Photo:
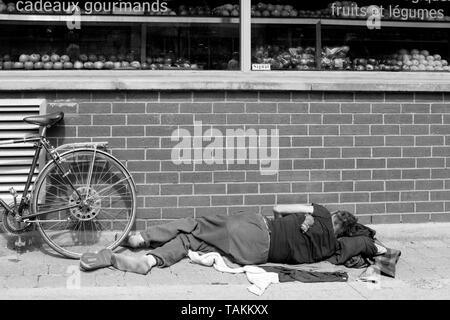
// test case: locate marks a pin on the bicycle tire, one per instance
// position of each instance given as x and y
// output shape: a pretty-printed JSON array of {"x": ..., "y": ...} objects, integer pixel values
[{"x": 36, "y": 195}]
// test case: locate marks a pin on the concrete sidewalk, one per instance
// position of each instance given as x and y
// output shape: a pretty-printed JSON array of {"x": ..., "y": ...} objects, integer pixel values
[{"x": 423, "y": 272}]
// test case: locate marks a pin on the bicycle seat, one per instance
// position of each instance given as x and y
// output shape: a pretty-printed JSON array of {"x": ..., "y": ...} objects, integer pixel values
[{"x": 46, "y": 120}]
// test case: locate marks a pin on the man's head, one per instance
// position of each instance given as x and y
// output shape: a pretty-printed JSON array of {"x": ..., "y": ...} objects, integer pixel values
[{"x": 343, "y": 222}]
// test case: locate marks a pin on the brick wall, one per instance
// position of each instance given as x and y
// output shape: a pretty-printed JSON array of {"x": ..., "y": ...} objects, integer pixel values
[{"x": 385, "y": 156}]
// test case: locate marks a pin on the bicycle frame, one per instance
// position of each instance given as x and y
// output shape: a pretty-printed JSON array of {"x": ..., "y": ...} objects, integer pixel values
[{"x": 39, "y": 143}]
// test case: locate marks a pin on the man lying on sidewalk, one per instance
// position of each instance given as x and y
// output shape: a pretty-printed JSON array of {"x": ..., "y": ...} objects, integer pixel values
[{"x": 298, "y": 234}]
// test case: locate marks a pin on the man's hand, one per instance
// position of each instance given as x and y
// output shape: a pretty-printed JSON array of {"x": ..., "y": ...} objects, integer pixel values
[{"x": 309, "y": 221}]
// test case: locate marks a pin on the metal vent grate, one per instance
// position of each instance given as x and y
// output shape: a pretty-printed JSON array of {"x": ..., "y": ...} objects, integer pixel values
[{"x": 15, "y": 160}]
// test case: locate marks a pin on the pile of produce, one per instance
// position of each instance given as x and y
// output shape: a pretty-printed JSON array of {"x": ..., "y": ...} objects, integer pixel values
[
  {"x": 7, "y": 8},
  {"x": 270, "y": 10},
  {"x": 403, "y": 60},
  {"x": 227, "y": 10},
  {"x": 300, "y": 58}
]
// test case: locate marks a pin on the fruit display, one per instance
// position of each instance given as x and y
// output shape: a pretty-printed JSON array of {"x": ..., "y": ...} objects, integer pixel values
[
  {"x": 404, "y": 60},
  {"x": 271, "y": 10},
  {"x": 227, "y": 10}
]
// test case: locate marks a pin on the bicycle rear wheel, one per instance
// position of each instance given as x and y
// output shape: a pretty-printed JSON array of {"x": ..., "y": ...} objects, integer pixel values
[{"x": 84, "y": 203}]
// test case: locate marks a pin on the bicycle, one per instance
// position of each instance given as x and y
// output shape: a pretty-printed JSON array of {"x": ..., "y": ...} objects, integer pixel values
[{"x": 83, "y": 199}]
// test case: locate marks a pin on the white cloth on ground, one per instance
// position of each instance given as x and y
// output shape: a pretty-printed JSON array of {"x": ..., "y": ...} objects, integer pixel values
[{"x": 260, "y": 278}]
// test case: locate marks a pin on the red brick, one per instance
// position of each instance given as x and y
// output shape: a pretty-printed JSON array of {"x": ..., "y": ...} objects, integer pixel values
[
  {"x": 338, "y": 141},
  {"x": 369, "y": 96},
  {"x": 204, "y": 212},
  {"x": 176, "y": 189},
  {"x": 338, "y": 186},
  {"x": 112, "y": 142},
  {"x": 309, "y": 164},
  {"x": 261, "y": 107},
  {"x": 385, "y": 218},
  {"x": 329, "y": 175},
  {"x": 293, "y": 175},
  {"x": 384, "y": 129},
  {"x": 92, "y": 131},
  {"x": 384, "y": 196},
  {"x": 260, "y": 199},
  {"x": 143, "y": 119},
  {"x": 129, "y": 154},
  {"x": 195, "y": 107},
  {"x": 288, "y": 153},
  {"x": 399, "y": 141},
  {"x": 337, "y": 119},
  {"x": 416, "y": 174},
  {"x": 429, "y": 96},
  {"x": 354, "y": 130},
  {"x": 440, "y": 129},
  {"x": 355, "y": 107},
  {"x": 401, "y": 163},
  {"x": 160, "y": 202},
  {"x": 274, "y": 96},
  {"x": 66, "y": 107},
  {"x": 194, "y": 201},
  {"x": 416, "y": 108},
  {"x": 156, "y": 131},
  {"x": 143, "y": 166},
  {"x": 146, "y": 213},
  {"x": 440, "y": 195},
  {"x": 386, "y": 108},
  {"x": 339, "y": 96},
  {"x": 367, "y": 118},
  {"x": 227, "y": 200},
  {"x": 274, "y": 118},
  {"x": 162, "y": 177},
  {"x": 304, "y": 187},
  {"x": 429, "y": 140},
  {"x": 429, "y": 206},
  {"x": 440, "y": 217},
  {"x": 177, "y": 119},
  {"x": 440, "y": 173},
  {"x": 177, "y": 213},
  {"x": 184, "y": 96},
  {"x": 400, "y": 207},
  {"x": 325, "y": 152},
  {"x": 320, "y": 130},
  {"x": 356, "y": 174},
  {"x": 339, "y": 163},
  {"x": 109, "y": 119},
  {"x": 440, "y": 108},
  {"x": 306, "y": 141},
  {"x": 417, "y": 152},
  {"x": 399, "y": 185},
  {"x": 386, "y": 174},
  {"x": 370, "y": 208},
  {"x": 304, "y": 96},
  {"x": 324, "y": 108},
  {"x": 371, "y": 163},
  {"x": 242, "y": 119},
  {"x": 369, "y": 186},
  {"x": 323, "y": 197},
  {"x": 291, "y": 198},
  {"x": 209, "y": 96},
  {"x": 362, "y": 141},
  {"x": 195, "y": 177},
  {"x": 398, "y": 119},
  {"x": 234, "y": 188},
  {"x": 306, "y": 119},
  {"x": 414, "y": 196},
  {"x": 72, "y": 120},
  {"x": 356, "y": 152},
  {"x": 209, "y": 188},
  {"x": 143, "y": 143},
  {"x": 127, "y": 107},
  {"x": 242, "y": 95},
  {"x": 430, "y": 163},
  {"x": 384, "y": 152},
  {"x": 128, "y": 131},
  {"x": 415, "y": 218},
  {"x": 257, "y": 176},
  {"x": 415, "y": 129},
  {"x": 162, "y": 108},
  {"x": 428, "y": 119},
  {"x": 228, "y": 108},
  {"x": 293, "y": 107},
  {"x": 211, "y": 118},
  {"x": 429, "y": 184},
  {"x": 228, "y": 176},
  {"x": 274, "y": 187},
  {"x": 94, "y": 107},
  {"x": 441, "y": 151}
]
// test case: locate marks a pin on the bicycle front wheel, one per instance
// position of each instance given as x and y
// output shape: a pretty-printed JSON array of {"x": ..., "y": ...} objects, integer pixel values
[{"x": 83, "y": 202}]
